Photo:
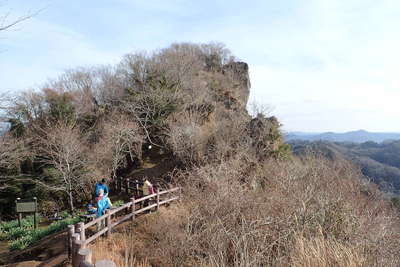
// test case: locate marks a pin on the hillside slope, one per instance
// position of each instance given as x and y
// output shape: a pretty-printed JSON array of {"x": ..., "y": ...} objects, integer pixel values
[
  {"x": 379, "y": 162},
  {"x": 246, "y": 200}
]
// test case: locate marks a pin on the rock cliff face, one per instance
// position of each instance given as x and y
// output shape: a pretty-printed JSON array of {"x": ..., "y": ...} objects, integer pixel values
[{"x": 240, "y": 72}]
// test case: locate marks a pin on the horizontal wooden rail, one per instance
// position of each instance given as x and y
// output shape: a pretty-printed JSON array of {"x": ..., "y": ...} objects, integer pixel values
[
  {"x": 168, "y": 200},
  {"x": 125, "y": 206},
  {"x": 169, "y": 191},
  {"x": 146, "y": 208},
  {"x": 96, "y": 235},
  {"x": 126, "y": 217},
  {"x": 145, "y": 198},
  {"x": 106, "y": 218}
]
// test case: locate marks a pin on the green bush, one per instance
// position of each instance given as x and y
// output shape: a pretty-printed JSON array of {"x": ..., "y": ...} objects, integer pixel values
[
  {"x": 32, "y": 236},
  {"x": 16, "y": 233},
  {"x": 10, "y": 230},
  {"x": 21, "y": 243},
  {"x": 118, "y": 203}
]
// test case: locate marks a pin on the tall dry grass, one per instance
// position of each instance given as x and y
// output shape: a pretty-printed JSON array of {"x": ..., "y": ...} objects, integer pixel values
[
  {"x": 117, "y": 249},
  {"x": 310, "y": 212}
]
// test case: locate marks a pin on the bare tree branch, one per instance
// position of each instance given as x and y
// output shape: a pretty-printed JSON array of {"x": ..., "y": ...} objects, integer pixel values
[{"x": 4, "y": 25}]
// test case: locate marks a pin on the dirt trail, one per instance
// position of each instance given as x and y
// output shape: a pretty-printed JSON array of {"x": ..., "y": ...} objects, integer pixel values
[
  {"x": 42, "y": 253},
  {"x": 154, "y": 167}
]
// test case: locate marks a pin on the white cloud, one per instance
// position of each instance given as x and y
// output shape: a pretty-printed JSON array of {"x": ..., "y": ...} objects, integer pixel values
[{"x": 323, "y": 64}]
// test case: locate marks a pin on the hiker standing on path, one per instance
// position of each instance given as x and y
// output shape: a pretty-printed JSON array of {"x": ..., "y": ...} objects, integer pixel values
[
  {"x": 102, "y": 203},
  {"x": 102, "y": 185},
  {"x": 147, "y": 189}
]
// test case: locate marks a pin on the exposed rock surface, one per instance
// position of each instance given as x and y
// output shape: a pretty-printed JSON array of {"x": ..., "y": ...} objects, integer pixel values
[{"x": 240, "y": 70}]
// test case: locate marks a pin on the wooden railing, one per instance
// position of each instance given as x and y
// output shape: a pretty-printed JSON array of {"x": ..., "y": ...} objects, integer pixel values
[{"x": 77, "y": 234}]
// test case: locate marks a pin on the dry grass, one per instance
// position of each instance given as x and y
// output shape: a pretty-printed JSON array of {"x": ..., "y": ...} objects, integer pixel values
[
  {"x": 322, "y": 252},
  {"x": 311, "y": 212},
  {"x": 117, "y": 249}
]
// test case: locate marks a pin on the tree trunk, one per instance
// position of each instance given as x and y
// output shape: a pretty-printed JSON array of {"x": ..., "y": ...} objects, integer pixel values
[{"x": 71, "y": 202}]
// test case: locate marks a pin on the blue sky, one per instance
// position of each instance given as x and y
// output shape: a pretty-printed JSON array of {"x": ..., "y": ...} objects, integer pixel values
[{"x": 320, "y": 65}]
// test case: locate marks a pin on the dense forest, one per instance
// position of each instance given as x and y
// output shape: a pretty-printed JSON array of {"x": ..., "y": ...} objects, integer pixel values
[{"x": 247, "y": 200}]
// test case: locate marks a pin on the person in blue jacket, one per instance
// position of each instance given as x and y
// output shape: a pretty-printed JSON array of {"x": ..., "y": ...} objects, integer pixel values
[
  {"x": 102, "y": 185},
  {"x": 102, "y": 203}
]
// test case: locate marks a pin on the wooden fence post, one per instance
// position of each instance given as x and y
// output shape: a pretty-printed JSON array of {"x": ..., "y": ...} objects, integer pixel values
[
  {"x": 108, "y": 222},
  {"x": 105, "y": 263},
  {"x": 158, "y": 198},
  {"x": 77, "y": 229},
  {"x": 77, "y": 259},
  {"x": 71, "y": 232},
  {"x": 81, "y": 227},
  {"x": 75, "y": 248},
  {"x": 35, "y": 215},
  {"x": 86, "y": 264},
  {"x": 127, "y": 186},
  {"x": 136, "y": 188},
  {"x": 84, "y": 255},
  {"x": 133, "y": 209}
]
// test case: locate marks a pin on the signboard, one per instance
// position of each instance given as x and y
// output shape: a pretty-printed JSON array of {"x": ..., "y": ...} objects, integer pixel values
[{"x": 26, "y": 206}]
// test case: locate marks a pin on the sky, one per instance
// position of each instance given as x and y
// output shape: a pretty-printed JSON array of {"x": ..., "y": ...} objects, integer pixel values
[{"x": 318, "y": 65}]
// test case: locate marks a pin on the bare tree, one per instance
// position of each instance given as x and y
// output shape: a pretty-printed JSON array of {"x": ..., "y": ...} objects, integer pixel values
[
  {"x": 12, "y": 151},
  {"x": 121, "y": 137},
  {"x": 61, "y": 147}
]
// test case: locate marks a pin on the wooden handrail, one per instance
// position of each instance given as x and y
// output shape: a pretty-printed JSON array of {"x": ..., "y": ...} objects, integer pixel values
[
  {"x": 127, "y": 205},
  {"x": 96, "y": 235},
  {"x": 168, "y": 200},
  {"x": 126, "y": 217},
  {"x": 145, "y": 198},
  {"x": 146, "y": 208},
  {"x": 91, "y": 223},
  {"x": 169, "y": 191}
]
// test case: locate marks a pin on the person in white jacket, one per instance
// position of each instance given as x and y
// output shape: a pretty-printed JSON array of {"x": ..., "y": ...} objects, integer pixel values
[{"x": 147, "y": 190}]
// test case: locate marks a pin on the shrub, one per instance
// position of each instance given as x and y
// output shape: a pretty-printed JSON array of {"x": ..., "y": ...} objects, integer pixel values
[
  {"x": 243, "y": 212},
  {"x": 32, "y": 236},
  {"x": 12, "y": 226}
]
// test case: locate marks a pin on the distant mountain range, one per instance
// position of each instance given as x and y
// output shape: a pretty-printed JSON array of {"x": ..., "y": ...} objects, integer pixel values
[{"x": 360, "y": 136}]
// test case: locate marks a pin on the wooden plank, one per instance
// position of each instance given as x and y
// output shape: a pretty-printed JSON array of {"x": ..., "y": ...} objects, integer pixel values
[
  {"x": 81, "y": 227},
  {"x": 105, "y": 263},
  {"x": 26, "y": 206},
  {"x": 170, "y": 190},
  {"x": 146, "y": 208},
  {"x": 84, "y": 254},
  {"x": 133, "y": 208},
  {"x": 71, "y": 231},
  {"x": 96, "y": 235},
  {"x": 158, "y": 198},
  {"x": 108, "y": 222},
  {"x": 168, "y": 200},
  {"x": 144, "y": 198},
  {"x": 131, "y": 215},
  {"x": 95, "y": 221},
  {"x": 126, "y": 205}
]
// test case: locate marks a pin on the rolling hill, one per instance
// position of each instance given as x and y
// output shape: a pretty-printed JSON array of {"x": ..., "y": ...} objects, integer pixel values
[
  {"x": 378, "y": 161},
  {"x": 359, "y": 136}
]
